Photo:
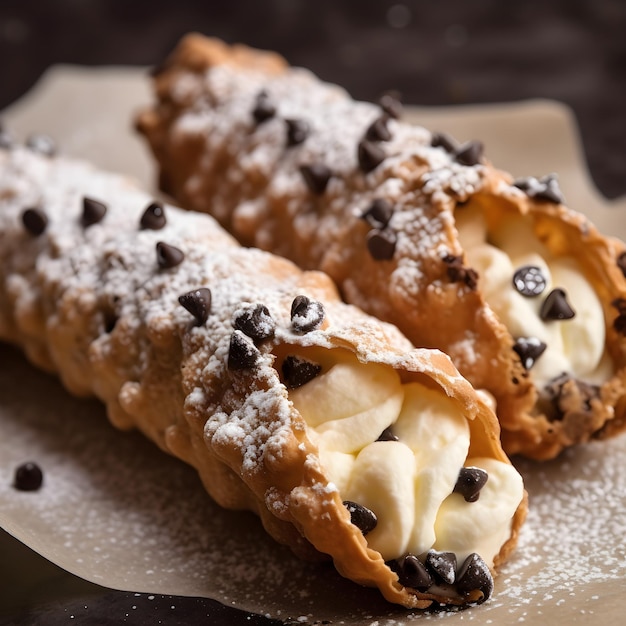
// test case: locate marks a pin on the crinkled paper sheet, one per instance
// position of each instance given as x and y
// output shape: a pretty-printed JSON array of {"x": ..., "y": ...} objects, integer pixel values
[{"x": 116, "y": 511}]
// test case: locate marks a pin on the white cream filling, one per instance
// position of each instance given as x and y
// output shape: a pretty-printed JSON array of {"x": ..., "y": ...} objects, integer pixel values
[
  {"x": 575, "y": 346},
  {"x": 407, "y": 483}
]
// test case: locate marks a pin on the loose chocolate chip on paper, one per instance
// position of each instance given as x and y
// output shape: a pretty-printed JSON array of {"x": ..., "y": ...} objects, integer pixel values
[
  {"x": 370, "y": 156},
  {"x": 297, "y": 131},
  {"x": 387, "y": 435},
  {"x": 256, "y": 322},
  {"x": 474, "y": 575},
  {"x": 362, "y": 517},
  {"x": 93, "y": 212},
  {"x": 556, "y": 307},
  {"x": 35, "y": 221},
  {"x": 391, "y": 104},
  {"x": 153, "y": 217},
  {"x": 529, "y": 349},
  {"x": 377, "y": 130},
  {"x": 43, "y": 144},
  {"x": 306, "y": 314},
  {"x": 469, "y": 483},
  {"x": 381, "y": 243},
  {"x": 413, "y": 573},
  {"x": 529, "y": 280},
  {"x": 263, "y": 108},
  {"x": 28, "y": 477},
  {"x": 198, "y": 303},
  {"x": 298, "y": 371},
  {"x": 443, "y": 140},
  {"x": 168, "y": 256},
  {"x": 378, "y": 213},
  {"x": 442, "y": 565},
  {"x": 470, "y": 153},
  {"x": 242, "y": 353},
  {"x": 316, "y": 177}
]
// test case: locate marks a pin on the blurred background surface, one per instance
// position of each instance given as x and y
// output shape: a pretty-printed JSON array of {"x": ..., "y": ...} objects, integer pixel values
[{"x": 442, "y": 52}]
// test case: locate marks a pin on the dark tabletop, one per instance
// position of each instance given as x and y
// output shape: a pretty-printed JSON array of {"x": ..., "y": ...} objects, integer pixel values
[{"x": 434, "y": 52}]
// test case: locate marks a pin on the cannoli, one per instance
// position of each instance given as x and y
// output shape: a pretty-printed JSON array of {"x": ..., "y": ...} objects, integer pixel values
[
  {"x": 525, "y": 295},
  {"x": 343, "y": 438}
]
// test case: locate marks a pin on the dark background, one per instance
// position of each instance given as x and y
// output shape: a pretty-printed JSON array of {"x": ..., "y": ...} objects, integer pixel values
[{"x": 436, "y": 52}]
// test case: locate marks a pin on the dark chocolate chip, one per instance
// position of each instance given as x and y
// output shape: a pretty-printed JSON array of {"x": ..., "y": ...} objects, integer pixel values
[
  {"x": 43, "y": 144},
  {"x": 93, "y": 212},
  {"x": 564, "y": 392},
  {"x": 621, "y": 263},
  {"x": 377, "y": 130},
  {"x": 298, "y": 371},
  {"x": 168, "y": 256},
  {"x": 198, "y": 303},
  {"x": 381, "y": 243},
  {"x": 442, "y": 140},
  {"x": 110, "y": 321},
  {"x": 35, "y": 221},
  {"x": 364, "y": 519},
  {"x": 469, "y": 483},
  {"x": 316, "y": 177},
  {"x": 470, "y": 153},
  {"x": 545, "y": 188},
  {"x": 458, "y": 273},
  {"x": 387, "y": 435},
  {"x": 306, "y": 314},
  {"x": 28, "y": 477},
  {"x": 413, "y": 573},
  {"x": 390, "y": 103},
  {"x": 442, "y": 565},
  {"x": 297, "y": 132},
  {"x": 263, "y": 108},
  {"x": 153, "y": 217},
  {"x": 529, "y": 349},
  {"x": 256, "y": 322},
  {"x": 370, "y": 156},
  {"x": 556, "y": 307},
  {"x": 475, "y": 575},
  {"x": 242, "y": 353},
  {"x": 529, "y": 281},
  {"x": 378, "y": 213},
  {"x": 619, "y": 324}
]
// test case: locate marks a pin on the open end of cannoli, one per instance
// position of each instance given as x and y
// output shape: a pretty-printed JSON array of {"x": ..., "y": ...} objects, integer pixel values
[{"x": 402, "y": 458}]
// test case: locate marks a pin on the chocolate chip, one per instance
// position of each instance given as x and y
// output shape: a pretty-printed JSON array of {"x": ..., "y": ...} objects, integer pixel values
[
  {"x": 619, "y": 324},
  {"x": 370, "y": 155},
  {"x": 198, "y": 303},
  {"x": 28, "y": 477},
  {"x": 168, "y": 256},
  {"x": 469, "y": 483},
  {"x": 556, "y": 307},
  {"x": 364, "y": 519},
  {"x": 297, "y": 132},
  {"x": 621, "y": 263},
  {"x": 442, "y": 565},
  {"x": 390, "y": 103},
  {"x": 263, "y": 108},
  {"x": 458, "y": 273},
  {"x": 316, "y": 177},
  {"x": 306, "y": 314},
  {"x": 567, "y": 394},
  {"x": 545, "y": 188},
  {"x": 35, "y": 221},
  {"x": 529, "y": 349},
  {"x": 470, "y": 153},
  {"x": 256, "y": 322},
  {"x": 93, "y": 212},
  {"x": 378, "y": 213},
  {"x": 529, "y": 281},
  {"x": 381, "y": 243},
  {"x": 43, "y": 144},
  {"x": 413, "y": 573},
  {"x": 242, "y": 353},
  {"x": 442, "y": 140},
  {"x": 387, "y": 435},
  {"x": 377, "y": 130},
  {"x": 298, "y": 371},
  {"x": 475, "y": 575},
  {"x": 153, "y": 217}
]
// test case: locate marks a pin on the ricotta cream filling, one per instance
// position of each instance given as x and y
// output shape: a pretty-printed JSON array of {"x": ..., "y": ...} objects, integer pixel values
[
  {"x": 574, "y": 346},
  {"x": 408, "y": 483}
]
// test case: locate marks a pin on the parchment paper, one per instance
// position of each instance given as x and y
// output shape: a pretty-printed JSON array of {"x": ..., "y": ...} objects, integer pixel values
[{"x": 116, "y": 511}]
